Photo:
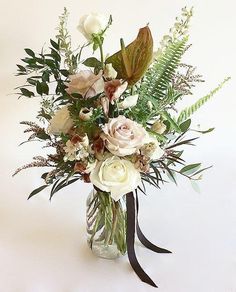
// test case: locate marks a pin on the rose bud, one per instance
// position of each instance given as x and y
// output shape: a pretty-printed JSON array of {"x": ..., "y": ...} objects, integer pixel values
[
  {"x": 128, "y": 102},
  {"x": 92, "y": 23},
  {"x": 158, "y": 127},
  {"x": 109, "y": 72},
  {"x": 85, "y": 114}
]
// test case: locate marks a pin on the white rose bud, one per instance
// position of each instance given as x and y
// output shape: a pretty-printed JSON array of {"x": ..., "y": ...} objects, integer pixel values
[
  {"x": 85, "y": 114},
  {"x": 158, "y": 127},
  {"x": 109, "y": 72},
  {"x": 128, "y": 102},
  {"x": 61, "y": 122},
  {"x": 92, "y": 23},
  {"x": 115, "y": 175}
]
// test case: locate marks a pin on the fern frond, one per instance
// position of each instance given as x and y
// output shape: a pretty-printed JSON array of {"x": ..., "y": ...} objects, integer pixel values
[
  {"x": 160, "y": 75},
  {"x": 187, "y": 112}
]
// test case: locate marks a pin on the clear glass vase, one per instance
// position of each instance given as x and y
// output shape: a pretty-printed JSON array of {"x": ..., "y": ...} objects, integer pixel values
[{"x": 106, "y": 225}]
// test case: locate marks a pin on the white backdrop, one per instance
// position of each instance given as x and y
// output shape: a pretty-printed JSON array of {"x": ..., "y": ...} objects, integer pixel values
[{"x": 42, "y": 244}]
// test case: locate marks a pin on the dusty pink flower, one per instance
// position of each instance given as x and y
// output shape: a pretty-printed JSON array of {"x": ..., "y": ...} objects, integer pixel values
[
  {"x": 114, "y": 89},
  {"x": 85, "y": 83},
  {"x": 123, "y": 136}
]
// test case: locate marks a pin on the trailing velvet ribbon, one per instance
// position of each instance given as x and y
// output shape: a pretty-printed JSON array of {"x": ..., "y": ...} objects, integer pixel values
[
  {"x": 143, "y": 238},
  {"x": 130, "y": 235},
  {"x": 132, "y": 220}
]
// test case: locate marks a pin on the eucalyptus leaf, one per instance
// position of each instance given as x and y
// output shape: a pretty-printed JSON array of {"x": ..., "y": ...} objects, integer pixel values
[
  {"x": 21, "y": 68},
  {"x": 185, "y": 125},
  {"x": 26, "y": 92},
  {"x": 39, "y": 88},
  {"x": 30, "y": 52},
  {"x": 204, "y": 132},
  {"x": 190, "y": 169},
  {"x": 46, "y": 76},
  {"x": 92, "y": 62},
  {"x": 45, "y": 88},
  {"x": 36, "y": 191},
  {"x": 195, "y": 186},
  {"x": 64, "y": 72},
  {"x": 54, "y": 44}
]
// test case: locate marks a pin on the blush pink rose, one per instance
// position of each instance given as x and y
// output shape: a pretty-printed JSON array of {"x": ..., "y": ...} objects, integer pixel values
[
  {"x": 123, "y": 136},
  {"x": 85, "y": 83}
]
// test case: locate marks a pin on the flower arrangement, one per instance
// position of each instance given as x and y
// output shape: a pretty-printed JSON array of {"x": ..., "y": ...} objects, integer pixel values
[{"x": 112, "y": 121}]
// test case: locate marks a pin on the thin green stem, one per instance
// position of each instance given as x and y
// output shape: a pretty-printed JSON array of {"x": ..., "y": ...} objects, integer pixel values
[
  {"x": 101, "y": 53},
  {"x": 114, "y": 221}
]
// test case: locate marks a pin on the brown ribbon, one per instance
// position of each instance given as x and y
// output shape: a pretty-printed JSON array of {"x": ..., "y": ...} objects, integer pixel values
[
  {"x": 143, "y": 238},
  {"x": 132, "y": 221},
  {"x": 130, "y": 235}
]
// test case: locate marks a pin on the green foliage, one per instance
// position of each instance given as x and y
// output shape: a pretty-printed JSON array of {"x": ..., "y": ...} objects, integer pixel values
[
  {"x": 44, "y": 69},
  {"x": 93, "y": 62},
  {"x": 204, "y": 131},
  {"x": 173, "y": 125},
  {"x": 36, "y": 191},
  {"x": 159, "y": 76},
  {"x": 190, "y": 169},
  {"x": 187, "y": 112},
  {"x": 156, "y": 86},
  {"x": 26, "y": 92},
  {"x": 90, "y": 126},
  {"x": 61, "y": 183},
  {"x": 185, "y": 125},
  {"x": 64, "y": 43}
]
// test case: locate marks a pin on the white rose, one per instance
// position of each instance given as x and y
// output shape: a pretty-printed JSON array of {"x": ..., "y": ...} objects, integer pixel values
[
  {"x": 123, "y": 136},
  {"x": 92, "y": 23},
  {"x": 61, "y": 122},
  {"x": 128, "y": 102},
  {"x": 115, "y": 175}
]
